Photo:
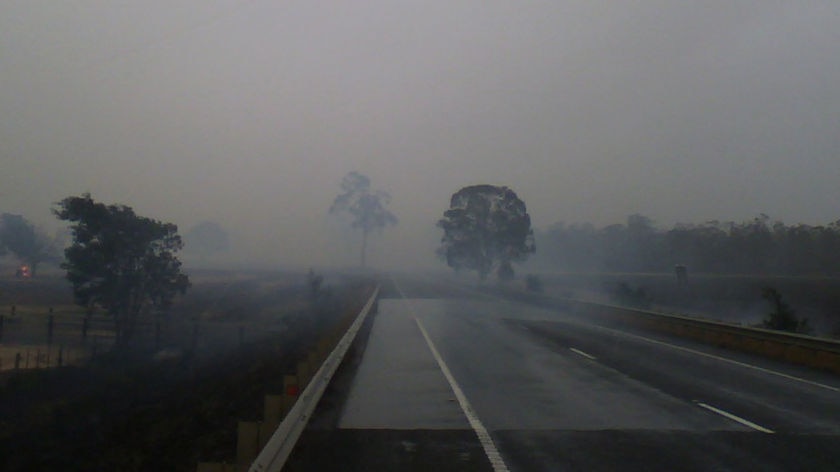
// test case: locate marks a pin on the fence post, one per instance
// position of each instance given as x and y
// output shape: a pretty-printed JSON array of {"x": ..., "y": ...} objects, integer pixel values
[
  {"x": 61, "y": 355},
  {"x": 85, "y": 323},
  {"x": 2, "y": 323},
  {"x": 50, "y": 325},
  {"x": 18, "y": 358}
]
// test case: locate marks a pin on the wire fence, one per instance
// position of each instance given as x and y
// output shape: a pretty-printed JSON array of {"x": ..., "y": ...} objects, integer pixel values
[{"x": 37, "y": 338}]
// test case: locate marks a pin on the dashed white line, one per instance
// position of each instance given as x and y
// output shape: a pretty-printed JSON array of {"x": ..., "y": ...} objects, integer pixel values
[
  {"x": 685, "y": 349},
  {"x": 735, "y": 418},
  {"x": 581, "y": 353}
]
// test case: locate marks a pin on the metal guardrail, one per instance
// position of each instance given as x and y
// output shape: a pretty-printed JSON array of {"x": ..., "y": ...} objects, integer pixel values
[
  {"x": 760, "y": 334},
  {"x": 802, "y": 349},
  {"x": 279, "y": 447}
]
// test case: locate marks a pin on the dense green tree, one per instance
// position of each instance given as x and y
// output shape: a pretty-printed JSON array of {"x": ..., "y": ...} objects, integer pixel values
[
  {"x": 31, "y": 245},
  {"x": 486, "y": 228},
  {"x": 121, "y": 262},
  {"x": 367, "y": 208}
]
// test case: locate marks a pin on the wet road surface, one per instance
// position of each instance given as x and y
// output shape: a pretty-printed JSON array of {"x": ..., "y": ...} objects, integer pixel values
[{"x": 452, "y": 379}]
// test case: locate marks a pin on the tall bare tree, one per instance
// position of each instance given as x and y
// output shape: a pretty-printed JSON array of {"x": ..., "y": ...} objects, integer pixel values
[{"x": 367, "y": 208}]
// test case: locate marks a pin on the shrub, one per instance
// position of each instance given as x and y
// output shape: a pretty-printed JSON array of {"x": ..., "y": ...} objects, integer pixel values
[
  {"x": 533, "y": 283},
  {"x": 782, "y": 317},
  {"x": 623, "y": 294}
]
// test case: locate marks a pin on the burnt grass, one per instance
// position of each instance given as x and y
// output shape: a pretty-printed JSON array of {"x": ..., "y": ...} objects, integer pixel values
[{"x": 129, "y": 412}]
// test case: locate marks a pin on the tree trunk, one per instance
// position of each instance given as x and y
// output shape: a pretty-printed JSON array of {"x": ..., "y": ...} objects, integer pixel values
[{"x": 364, "y": 246}]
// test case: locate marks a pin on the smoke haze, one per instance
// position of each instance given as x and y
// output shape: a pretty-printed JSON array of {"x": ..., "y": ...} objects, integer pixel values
[{"x": 249, "y": 113}]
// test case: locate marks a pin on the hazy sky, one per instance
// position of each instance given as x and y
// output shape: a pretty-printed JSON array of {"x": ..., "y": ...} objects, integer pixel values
[{"x": 249, "y": 113}]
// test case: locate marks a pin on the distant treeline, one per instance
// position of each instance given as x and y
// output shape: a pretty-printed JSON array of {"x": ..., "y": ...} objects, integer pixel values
[{"x": 759, "y": 246}]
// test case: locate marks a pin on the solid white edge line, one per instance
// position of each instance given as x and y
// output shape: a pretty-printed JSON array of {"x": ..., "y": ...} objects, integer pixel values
[
  {"x": 685, "y": 349},
  {"x": 581, "y": 353},
  {"x": 719, "y": 358},
  {"x": 484, "y": 438},
  {"x": 735, "y": 418}
]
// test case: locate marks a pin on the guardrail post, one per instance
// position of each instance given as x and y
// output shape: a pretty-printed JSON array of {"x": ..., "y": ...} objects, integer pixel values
[
  {"x": 247, "y": 441},
  {"x": 291, "y": 391},
  {"x": 324, "y": 347},
  {"x": 303, "y": 373},
  {"x": 314, "y": 360},
  {"x": 273, "y": 409},
  {"x": 282, "y": 441}
]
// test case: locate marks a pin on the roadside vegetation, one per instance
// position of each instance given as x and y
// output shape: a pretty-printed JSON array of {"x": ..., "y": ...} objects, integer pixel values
[
  {"x": 130, "y": 410},
  {"x": 757, "y": 247},
  {"x": 486, "y": 229},
  {"x": 781, "y": 316}
]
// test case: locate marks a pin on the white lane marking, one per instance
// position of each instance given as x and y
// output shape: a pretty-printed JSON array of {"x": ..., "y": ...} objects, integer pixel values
[
  {"x": 735, "y": 418},
  {"x": 719, "y": 358},
  {"x": 685, "y": 349},
  {"x": 693, "y": 351},
  {"x": 581, "y": 353},
  {"x": 397, "y": 286},
  {"x": 483, "y": 435}
]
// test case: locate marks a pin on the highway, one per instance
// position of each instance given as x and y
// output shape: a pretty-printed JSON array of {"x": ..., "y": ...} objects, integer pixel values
[{"x": 451, "y": 378}]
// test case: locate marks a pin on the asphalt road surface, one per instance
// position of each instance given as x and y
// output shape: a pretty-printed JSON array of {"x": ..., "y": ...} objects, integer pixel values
[{"x": 455, "y": 379}]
